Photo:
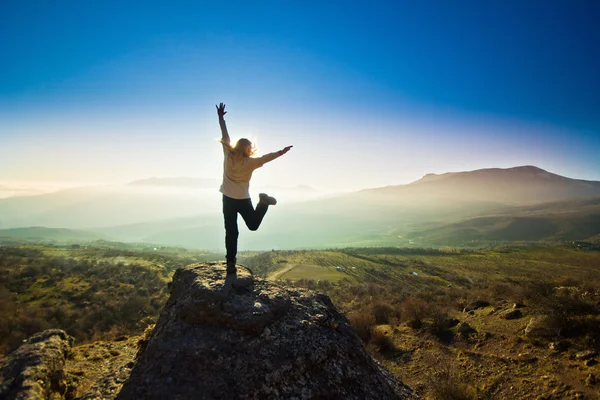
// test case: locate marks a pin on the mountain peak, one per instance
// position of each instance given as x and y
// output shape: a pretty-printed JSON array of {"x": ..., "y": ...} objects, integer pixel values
[
  {"x": 526, "y": 168},
  {"x": 520, "y": 170},
  {"x": 516, "y": 185}
]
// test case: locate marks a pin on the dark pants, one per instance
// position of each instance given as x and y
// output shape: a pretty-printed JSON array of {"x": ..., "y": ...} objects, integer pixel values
[{"x": 252, "y": 217}]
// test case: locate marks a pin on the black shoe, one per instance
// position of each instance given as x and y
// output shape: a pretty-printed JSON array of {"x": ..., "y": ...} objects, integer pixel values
[{"x": 266, "y": 199}]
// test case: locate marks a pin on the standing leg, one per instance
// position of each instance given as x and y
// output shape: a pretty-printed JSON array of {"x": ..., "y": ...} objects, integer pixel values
[
  {"x": 230, "y": 211},
  {"x": 252, "y": 217}
]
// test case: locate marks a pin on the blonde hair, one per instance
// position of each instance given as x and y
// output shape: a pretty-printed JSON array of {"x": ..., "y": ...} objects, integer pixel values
[{"x": 240, "y": 148}]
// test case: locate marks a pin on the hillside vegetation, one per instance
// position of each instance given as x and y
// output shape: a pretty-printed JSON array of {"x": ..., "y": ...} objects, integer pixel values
[
  {"x": 94, "y": 293},
  {"x": 507, "y": 322}
]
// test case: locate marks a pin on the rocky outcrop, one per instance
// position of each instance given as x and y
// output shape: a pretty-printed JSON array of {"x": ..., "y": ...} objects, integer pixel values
[
  {"x": 35, "y": 370},
  {"x": 241, "y": 337}
]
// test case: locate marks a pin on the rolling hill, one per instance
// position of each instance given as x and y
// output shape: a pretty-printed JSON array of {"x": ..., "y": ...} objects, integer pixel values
[
  {"x": 577, "y": 219},
  {"x": 519, "y": 185}
]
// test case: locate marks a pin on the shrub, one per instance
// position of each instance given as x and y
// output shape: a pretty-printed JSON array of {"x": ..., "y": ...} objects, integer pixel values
[
  {"x": 414, "y": 311},
  {"x": 445, "y": 383},
  {"x": 384, "y": 343},
  {"x": 362, "y": 323},
  {"x": 382, "y": 312},
  {"x": 440, "y": 323}
]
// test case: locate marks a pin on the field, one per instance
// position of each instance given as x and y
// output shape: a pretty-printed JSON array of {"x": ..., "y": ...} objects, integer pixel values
[
  {"x": 428, "y": 268},
  {"x": 296, "y": 272}
]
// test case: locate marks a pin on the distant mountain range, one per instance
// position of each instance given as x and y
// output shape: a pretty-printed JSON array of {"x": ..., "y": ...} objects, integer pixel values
[
  {"x": 197, "y": 183},
  {"x": 517, "y": 185},
  {"x": 458, "y": 208},
  {"x": 40, "y": 233},
  {"x": 139, "y": 201}
]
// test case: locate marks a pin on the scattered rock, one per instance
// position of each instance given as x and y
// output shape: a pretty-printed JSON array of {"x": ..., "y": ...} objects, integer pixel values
[
  {"x": 591, "y": 363},
  {"x": 527, "y": 358},
  {"x": 566, "y": 291},
  {"x": 261, "y": 341},
  {"x": 35, "y": 369},
  {"x": 591, "y": 380},
  {"x": 559, "y": 346},
  {"x": 476, "y": 305},
  {"x": 518, "y": 305},
  {"x": 541, "y": 326},
  {"x": 452, "y": 322},
  {"x": 585, "y": 355},
  {"x": 511, "y": 314},
  {"x": 464, "y": 329}
]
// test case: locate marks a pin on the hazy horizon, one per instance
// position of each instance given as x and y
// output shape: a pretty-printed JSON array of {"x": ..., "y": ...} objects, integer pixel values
[{"x": 10, "y": 189}]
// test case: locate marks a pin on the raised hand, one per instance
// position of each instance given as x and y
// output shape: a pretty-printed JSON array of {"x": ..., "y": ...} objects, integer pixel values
[
  {"x": 221, "y": 110},
  {"x": 285, "y": 150}
]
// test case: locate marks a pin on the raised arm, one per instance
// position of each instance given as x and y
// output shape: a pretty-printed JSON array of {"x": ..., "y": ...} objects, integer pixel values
[
  {"x": 221, "y": 113},
  {"x": 260, "y": 161}
]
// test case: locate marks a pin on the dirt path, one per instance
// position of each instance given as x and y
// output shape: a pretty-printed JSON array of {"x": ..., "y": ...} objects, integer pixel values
[{"x": 277, "y": 274}]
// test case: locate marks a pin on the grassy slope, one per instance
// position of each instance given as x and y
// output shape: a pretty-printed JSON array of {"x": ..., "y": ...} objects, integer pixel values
[{"x": 556, "y": 221}]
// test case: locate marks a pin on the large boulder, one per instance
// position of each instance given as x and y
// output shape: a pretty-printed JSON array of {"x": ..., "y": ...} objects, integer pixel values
[
  {"x": 542, "y": 326},
  {"x": 34, "y": 371},
  {"x": 219, "y": 339}
]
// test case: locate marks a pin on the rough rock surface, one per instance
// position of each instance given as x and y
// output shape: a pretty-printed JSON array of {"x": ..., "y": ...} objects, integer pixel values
[
  {"x": 464, "y": 329},
  {"x": 511, "y": 314},
  {"x": 476, "y": 305},
  {"x": 217, "y": 339},
  {"x": 35, "y": 370},
  {"x": 541, "y": 326}
]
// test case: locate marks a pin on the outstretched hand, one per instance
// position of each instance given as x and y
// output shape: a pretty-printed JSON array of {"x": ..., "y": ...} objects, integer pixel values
[
  {"x": 221, "y": 110},
  {"x": 285, "y": 150}
]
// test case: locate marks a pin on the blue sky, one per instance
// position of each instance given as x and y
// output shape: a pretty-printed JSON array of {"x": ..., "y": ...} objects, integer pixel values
[{"x": 370, "y": 93}]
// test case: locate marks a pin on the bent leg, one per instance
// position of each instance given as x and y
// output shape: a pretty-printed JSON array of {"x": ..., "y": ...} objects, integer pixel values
[
  {"x": 231, "y": 228},
  {"x": 252, "y": 217}
]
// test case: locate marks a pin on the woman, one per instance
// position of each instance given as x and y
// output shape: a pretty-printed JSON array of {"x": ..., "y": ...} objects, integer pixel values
[{"x": 238, "y": 165}]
